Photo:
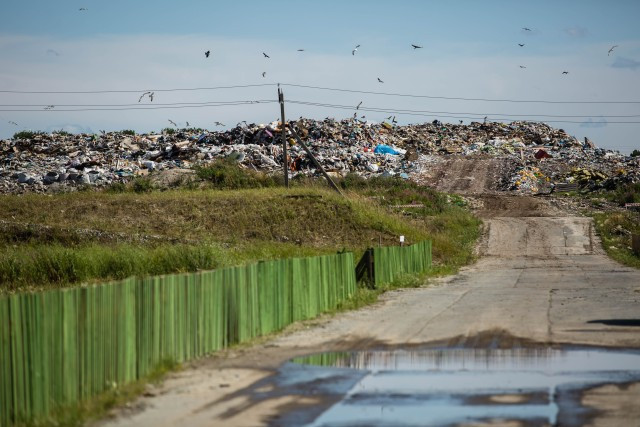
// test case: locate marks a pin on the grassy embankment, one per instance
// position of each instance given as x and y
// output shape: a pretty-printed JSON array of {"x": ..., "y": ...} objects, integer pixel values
[
  {"x": 83, "y": 237},
  {"x": 615, "y": 228}
]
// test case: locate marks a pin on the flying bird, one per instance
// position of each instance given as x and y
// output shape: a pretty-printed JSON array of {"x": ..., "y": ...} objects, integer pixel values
[
  {"x": 82, "y": 9},
  {"x": 13, "y": 123},
  {"x": 220, "y": 123},
  {"x": 207, "y": 53},
  {"x": 264, "y": 74},
  {"x": 565, "y": 72},
  {"x": 380, "y": 81},
  {"x": 526, "y": 29},
  {"x": 187, "y": 124},
  {"x": 415, "y": 46},
  {"x": 300, "y": 50},
  {"x": 53, "y": 52},
  {"x": 611, "y": 50},
  {"x": 355, "y": 49},
  {"x": 173, "y": 123},
  {"x": 393, "y": 120},
  {"x": 521, "y": 44},
  {"x": 49, "y": 107},
  {"x": 145, "y": 94},
  {"x": 522, "y": 66},
  {"x": 358, "y": 106},
  {"x": 265, "y": 55}
]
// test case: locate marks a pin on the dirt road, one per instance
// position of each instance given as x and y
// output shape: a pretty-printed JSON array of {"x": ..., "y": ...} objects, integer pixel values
[{"x": 540, "y": 280}]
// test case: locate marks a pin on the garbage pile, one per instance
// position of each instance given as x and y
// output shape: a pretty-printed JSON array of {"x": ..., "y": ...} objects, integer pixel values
[{"x": 60, "y": 162}]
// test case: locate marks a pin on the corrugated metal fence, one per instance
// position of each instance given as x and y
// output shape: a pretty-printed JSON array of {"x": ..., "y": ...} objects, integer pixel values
[
  {"x": 392, "y": 261},
  {"x": 61, "y": 346}
]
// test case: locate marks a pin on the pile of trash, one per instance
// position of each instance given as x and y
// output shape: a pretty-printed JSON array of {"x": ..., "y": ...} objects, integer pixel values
[{"x": 41, "y": 162}]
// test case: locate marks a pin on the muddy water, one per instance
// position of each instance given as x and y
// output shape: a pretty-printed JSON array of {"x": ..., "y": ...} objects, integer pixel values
[{"x": 541, "y": 386}]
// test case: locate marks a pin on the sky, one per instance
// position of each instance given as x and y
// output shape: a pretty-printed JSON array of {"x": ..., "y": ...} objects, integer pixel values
[{"x": 469, "y": 65}]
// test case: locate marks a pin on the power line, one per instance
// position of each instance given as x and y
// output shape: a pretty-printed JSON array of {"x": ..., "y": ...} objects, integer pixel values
[
  {"x": 134, "y": 91},
  {"x": 456, "y": 98},
  {"x": 401, "y": 112},
  {"x": 155, "y": 104},
  {"x": 150, "y": 107}
]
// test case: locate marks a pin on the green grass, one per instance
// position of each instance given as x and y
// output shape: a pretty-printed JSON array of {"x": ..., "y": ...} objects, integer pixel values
[
  {"x": 615, "y": 229},
  {"x": 73, "y": 238}
]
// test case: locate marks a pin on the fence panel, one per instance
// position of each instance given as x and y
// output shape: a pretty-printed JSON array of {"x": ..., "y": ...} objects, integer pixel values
[{"x": 61, "y": 346}]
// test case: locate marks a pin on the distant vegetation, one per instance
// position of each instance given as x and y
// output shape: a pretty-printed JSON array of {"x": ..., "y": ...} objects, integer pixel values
[
  {"x": 615, "y": 230},
  {"x": 26, "y": 134}
]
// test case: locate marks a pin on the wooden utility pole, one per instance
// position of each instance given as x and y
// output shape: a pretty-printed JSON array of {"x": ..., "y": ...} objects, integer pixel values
[
  {"x": 283, "y": 127},
  {"x": 315, "y": 161}
]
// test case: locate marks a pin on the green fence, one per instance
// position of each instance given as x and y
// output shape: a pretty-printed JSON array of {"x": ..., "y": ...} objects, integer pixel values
[
  {"x": 392, "y": 261},
  {"x": 61, "y": 346}
]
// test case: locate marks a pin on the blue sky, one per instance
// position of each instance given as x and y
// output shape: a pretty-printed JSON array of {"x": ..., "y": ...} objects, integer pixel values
[{"x": 470, "y": 50}]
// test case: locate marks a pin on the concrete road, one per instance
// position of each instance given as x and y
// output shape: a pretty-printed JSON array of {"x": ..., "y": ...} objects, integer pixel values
[{"x": 539, "y": 281}]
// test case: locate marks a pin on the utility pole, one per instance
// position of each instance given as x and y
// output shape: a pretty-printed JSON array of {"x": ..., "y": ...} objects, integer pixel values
[{"x": 283, "y": 128}]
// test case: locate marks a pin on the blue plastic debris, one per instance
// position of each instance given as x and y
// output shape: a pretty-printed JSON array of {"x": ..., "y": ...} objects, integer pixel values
[{"x": 384, "y": 149}]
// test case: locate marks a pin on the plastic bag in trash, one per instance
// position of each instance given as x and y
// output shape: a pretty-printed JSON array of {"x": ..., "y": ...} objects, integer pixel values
[{"x": 384, "y": 149}]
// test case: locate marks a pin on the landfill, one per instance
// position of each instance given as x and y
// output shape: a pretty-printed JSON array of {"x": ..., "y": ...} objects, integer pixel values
[{"x": 543, "y": 156}]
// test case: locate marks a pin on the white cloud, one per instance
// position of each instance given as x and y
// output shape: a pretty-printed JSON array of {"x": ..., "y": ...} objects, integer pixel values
[
  {"x": 577, "y": 32},
  {"x": 625, "y": 63}
]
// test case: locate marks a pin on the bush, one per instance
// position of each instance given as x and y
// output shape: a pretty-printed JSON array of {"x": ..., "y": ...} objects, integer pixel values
[
  {"x": 169, "y": 131},
  {"x": 227, "y": 174},
  {"x": 635, "y": 153},
  {"x": 26, "y": 134},
  {"x": 142, "y": 185},
  {"x": 128, "y": 132}
]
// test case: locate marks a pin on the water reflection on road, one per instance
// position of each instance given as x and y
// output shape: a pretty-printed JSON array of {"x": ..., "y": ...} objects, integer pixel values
[{"x": 454, "y": 386}]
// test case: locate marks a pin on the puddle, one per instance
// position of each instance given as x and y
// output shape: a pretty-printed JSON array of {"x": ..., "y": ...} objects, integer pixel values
[{"x": 460, "y": 386}]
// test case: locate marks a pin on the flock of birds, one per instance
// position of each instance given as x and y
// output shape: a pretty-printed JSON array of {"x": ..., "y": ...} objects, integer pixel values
[{"x": 207, "y": 54}]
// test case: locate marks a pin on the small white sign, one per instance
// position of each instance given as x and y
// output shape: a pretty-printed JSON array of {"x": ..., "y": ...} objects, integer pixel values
[{"x": 401, "y": 239}]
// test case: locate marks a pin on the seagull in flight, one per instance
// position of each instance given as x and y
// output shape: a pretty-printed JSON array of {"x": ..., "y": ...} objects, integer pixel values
[
  {"x": 355, "y": 49},
  {"x": 300, "y": 50},
  {"x": 173, "y": 123},
  {"x": 565, "y": 72},
  {"x": 522, "y": 66},
  {"x": 380, "y": 81},
  {"x": 521, "y": 44},
  {"x": 220, "y": 123},
  {"x": 358, "y": 106},
  {"x": 53, "y": 52},
  {"x": 415, "y": 46},
  {"x": 49, "y": 107},
  {"x": 611, "y": 50},
  {"x": 265, "y": 55},
  {"x": 264, "y": 74},
  {"x": 526, "y": 29},
  {"x": 148, "y": 93},
  {"x": 207, "y": 53},
  {"x": 83, "y": 9},
  {"x": 13, "y": 123},
  {"x": 187, "y": 124}
]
